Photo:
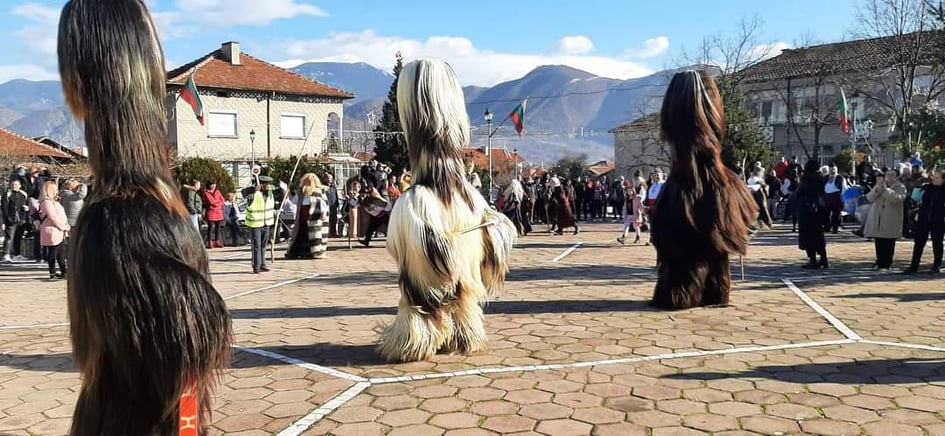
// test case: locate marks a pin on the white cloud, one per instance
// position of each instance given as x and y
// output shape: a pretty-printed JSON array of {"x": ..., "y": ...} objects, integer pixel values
[
  {"x": 224, "y": 13},
  {"x": 650, "y": 48},
  {"x": 572, "y": 45},
  {"x": 765, "y": 51},
  {"x": 473, "y": 65},
  {"x": 40, "y": 34},
  {"x": 30, "y": 72}
]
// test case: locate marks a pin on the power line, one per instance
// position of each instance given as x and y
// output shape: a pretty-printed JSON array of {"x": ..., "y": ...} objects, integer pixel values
[{"x": 566, "y": 94}]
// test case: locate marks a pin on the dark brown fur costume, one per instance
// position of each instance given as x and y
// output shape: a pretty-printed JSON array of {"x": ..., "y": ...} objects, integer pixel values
[
  {"x": 146, "y": 322},
  {"x": 703, "y": 213}
]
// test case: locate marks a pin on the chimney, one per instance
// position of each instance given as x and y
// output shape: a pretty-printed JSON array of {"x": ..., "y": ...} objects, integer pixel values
[{"x": 231, "y": 52}]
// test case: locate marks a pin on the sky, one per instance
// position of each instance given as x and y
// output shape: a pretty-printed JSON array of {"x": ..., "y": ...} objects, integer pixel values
[{"x": 486, "y": 42}]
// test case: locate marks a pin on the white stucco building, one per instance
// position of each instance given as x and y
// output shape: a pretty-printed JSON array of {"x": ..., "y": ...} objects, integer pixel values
[{"x": 253, "y": 111}]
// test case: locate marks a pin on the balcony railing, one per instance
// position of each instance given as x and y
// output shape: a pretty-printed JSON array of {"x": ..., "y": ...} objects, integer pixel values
[{"x": 337, "y": 146}]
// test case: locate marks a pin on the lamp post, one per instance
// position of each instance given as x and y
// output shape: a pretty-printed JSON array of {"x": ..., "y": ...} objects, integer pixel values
[
  {"x": 515, "y": 162},
  {"x": 252, "y": 144},
  {"x": 488, "y": 117}
]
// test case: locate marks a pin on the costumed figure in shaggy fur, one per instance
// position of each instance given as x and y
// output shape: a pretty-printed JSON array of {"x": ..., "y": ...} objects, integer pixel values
[
  {"x": 451, "y": 248},
  {"x": 704, "y": 210},
  {"x": 310, "y": 232},
  {"x": 149, "y": 332}
]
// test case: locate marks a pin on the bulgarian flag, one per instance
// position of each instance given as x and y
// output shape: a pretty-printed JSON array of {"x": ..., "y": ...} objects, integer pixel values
[
  {"x": 844, "y": 120},
  {"x": 192, "y": 97},
  {"x": 518, "y": 117}
]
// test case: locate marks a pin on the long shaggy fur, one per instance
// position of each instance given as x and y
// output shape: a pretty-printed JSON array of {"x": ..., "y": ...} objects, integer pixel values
[
  {"x": 145, "y": 321},
  {"x": 704, "y": 211},
  {"x": 446, "y": 271}
]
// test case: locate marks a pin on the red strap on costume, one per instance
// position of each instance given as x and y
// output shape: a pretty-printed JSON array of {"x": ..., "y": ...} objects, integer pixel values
[{"x": 188, "y": 411}]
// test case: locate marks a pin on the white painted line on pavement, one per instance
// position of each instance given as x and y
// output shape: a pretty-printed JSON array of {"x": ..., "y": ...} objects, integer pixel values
[
  {"x": 33, "y": 326},
  {"x": 316, "y": 415},
  {"x": 701, "y": 353},
  {"x": 567, "y": 252},
  {"x": 834, "y": 321},
  {"x": 905, "y": 345},
  {"x": 302, "y": 364},
  {"x": 273, "y": 286},
  {"x": 242, "y": 294}
]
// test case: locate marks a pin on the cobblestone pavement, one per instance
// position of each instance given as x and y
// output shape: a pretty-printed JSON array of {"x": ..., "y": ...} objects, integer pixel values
[{"x": 574, "y": 348}]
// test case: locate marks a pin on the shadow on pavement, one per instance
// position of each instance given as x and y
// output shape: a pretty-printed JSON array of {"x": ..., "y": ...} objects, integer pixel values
[
  {"x": 887, "y": 371},
  {"x": 493, "y": 308}
]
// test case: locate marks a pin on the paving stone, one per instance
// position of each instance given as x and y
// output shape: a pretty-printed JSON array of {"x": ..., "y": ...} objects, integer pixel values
[
  {"x": 347, "y": 415},
  {"x": 450, "y": 421},
  {"x": 619, "y": 429},
  {"x": 681, "y": 407},
  {"x": 735, "y": 409},
  {"x": 769, "y": 425},
  {"x": 888, "y": 428},
  {"x": 360, "y": 429},
  {"x": 495, "y": 408},
  {"x": 444, "y": 405},
  {"x": 509, "y": 424},
  {"x": 829, "y": 427},
  {"x": 564, "y": 427},
  {"x": 850, "y": 414},
  {"x": 598, "y": 415},
  {"x": 400, "y": 418},
  {"x": 792, "y": 411},
  {"x": 545, "y": 411},
  {"x": 710, "y": 423}
]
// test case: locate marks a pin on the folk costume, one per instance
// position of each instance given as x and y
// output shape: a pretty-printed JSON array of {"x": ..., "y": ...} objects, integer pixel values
[
  {"x": 310, "y": 233},
  {"x": 704, "y": 210},
  {"x": 451, "y": 248},
  {"x": 150, "y": 334}
]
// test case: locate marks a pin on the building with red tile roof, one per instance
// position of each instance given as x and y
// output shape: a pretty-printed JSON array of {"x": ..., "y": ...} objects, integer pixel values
[{"x": 252, "y": 110}]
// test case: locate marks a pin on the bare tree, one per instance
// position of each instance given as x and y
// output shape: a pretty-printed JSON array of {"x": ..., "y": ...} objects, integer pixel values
[
  {"x": 810, "y": 112},
  {"x": 914, "y": 74},
  {"x": 641, "y": 138},
  {"x": 733, "y": 52}
]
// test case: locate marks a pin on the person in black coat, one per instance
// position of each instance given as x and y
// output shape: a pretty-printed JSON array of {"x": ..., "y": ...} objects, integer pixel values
[
  {"x": 930, "y": 220},
  {"x": 334, "y": 201},
  {"x": 15, "y": 215},
  {"x": 811, "y": 215}
]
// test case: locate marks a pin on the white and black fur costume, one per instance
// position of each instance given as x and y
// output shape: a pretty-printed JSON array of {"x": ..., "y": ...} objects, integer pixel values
[{"x": 451, "y": 248}]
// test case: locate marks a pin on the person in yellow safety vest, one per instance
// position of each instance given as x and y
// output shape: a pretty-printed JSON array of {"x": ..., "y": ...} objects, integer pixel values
[{"x": 260, "y": 217}]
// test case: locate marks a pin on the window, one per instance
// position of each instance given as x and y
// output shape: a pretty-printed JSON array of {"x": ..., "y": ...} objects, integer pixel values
[
  {"x": 292, "y": 126},
  {"x": 221, "y": 124}
]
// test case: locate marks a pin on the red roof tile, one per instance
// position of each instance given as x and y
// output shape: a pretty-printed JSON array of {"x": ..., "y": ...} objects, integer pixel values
[
  {"x": 480, "y": 159},
  {"x": 214, "y": 71},
  {"x": 12, "y": 144}
]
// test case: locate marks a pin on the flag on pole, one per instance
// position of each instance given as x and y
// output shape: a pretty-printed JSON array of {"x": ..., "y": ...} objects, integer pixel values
[
  {"x": 844, "y": 120},
  {"x": 518, "y": 117},
  {"x": 192, "y": 97}
]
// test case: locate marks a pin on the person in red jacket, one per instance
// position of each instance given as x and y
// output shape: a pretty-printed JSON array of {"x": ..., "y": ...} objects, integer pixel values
[{"x": 213, "y": 203}]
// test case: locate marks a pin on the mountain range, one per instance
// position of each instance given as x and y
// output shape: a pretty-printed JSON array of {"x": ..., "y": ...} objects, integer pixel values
[{"x": 568, "y": 111}]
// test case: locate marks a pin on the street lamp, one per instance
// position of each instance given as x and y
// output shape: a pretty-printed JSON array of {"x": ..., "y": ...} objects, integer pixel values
[
  {"x": 488, "y": 117},
  {"x": 252, "y": 144},
  {"x": 515, "y": 162}
]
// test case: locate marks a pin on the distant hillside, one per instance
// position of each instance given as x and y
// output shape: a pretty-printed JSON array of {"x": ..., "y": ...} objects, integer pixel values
[
  {"x": 361, "y": 79},
  {"x": 569, "y": 111}
]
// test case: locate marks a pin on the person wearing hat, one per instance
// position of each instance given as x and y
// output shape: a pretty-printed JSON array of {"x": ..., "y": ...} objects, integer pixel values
[{"x": 260, "y": 217}]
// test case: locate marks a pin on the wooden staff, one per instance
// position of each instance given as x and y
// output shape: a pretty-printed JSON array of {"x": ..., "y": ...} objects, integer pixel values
[{"x": 352, "y": 224}]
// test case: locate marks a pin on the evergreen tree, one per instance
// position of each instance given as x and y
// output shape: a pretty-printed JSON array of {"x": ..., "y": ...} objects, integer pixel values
[
  {"x": 744, "y": 143},
  {"x": 391, "y": 149}
]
